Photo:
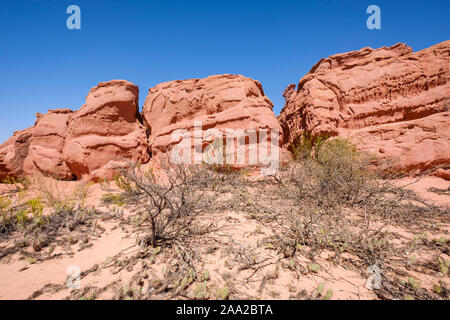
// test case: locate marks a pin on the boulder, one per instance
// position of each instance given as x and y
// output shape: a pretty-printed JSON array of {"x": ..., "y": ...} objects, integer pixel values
[
  {"x": 13, "y": 153},
  {"x": 390, "y": 101},
  {"x": 47, "y": 143},
  {"x": 220, "y": 103}
]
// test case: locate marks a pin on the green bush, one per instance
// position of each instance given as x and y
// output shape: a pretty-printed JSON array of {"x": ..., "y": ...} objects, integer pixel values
[
  {"x": 343, "y": 171},
  {"x": 308, "y": 146},
  {"x": 336, "y": 173}
]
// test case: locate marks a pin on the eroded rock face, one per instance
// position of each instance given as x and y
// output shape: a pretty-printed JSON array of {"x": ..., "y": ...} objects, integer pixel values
[
  {"x": 13, "y": 153},
  {"x": 222, "y": 102},
  {"x": 90, "y": 143},
  {"x": 47, "y": 143},
  {"x": 391, "y": 101},
  {"x": 105, "y": 131},
  {"x": 414, "y": 146},
  {"x": 93, "y": 142}
]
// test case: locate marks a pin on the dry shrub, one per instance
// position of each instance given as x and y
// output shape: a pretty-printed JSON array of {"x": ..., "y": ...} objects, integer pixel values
[
  {"x": 166, "y": 200},
  {"x": 338, "y": 203},
  {"x": 23, "y": 210},
  {"x": 170, "y": 203}
]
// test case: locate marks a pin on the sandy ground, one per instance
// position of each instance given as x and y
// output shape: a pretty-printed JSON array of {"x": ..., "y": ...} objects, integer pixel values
[{"x": 111, "y": 268}]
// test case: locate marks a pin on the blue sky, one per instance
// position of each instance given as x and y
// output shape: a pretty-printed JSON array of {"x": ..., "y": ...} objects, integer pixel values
[{"x": 44, "y": 65}]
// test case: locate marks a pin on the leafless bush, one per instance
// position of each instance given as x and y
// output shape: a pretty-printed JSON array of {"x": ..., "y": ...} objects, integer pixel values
[
  {"x": 335, "y": 201},
  {"x": 167, "y": 199}
]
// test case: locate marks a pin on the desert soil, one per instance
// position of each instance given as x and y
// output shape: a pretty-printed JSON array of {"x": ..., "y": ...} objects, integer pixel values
[{"x": 113, "y": 265}]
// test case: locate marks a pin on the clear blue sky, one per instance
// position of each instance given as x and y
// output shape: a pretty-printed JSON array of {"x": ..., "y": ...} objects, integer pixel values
[{"x": 44, "y": 65}]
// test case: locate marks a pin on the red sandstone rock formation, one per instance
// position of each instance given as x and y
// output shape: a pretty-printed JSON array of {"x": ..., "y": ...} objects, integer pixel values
[
  {"x": 391, "y": 101},
  {"x": 47, "y": 142},
  {"x": 13, "y": 153},
  {"x": 105, "y": 131},
  {"x": 90, "y": 143},
  {"x": 221, "y": 102}
]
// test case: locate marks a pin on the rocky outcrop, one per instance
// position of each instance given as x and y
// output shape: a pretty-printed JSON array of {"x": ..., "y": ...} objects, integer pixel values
[
  {"x": 391, "y": 101},
  {"x": 13, "y": 153},
  {"x": 415, "y": 146},
  {"x": 47, "y": 143},
  {"x": 105, "y": 131},
  {"x": 94, "y": 142},
  {"x": 221, "y": 102},
  {"x": 91, "y": 143}
]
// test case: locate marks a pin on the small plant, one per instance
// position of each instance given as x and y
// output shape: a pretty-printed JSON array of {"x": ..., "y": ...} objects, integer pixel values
[
  {"x": 205, "y": 275},
  {"x": 157, "y": 250},
  {"x": 201, "y": 291},
  {"x": 319, "y": 292},
  {"x": 21, "y": 217},
  {"x": 440, "y": 240},
  {"x": 313, "y": 267},
  {"x": 9, "y": 180},
  {"x": 443, "y": 265},
  {"x": 344, "y": 171},
  {"x": 25, "y": 182},
  {"x": 437, "y": 288},
  {"x": 223, "y": 293},
  {"x": 5, "y": 202},
  {"x": 111, "y": 198},
  {"x": 320, "y": 288},
  {"x": 328, "y": 295},
  {"x": 81, "y": 192}
]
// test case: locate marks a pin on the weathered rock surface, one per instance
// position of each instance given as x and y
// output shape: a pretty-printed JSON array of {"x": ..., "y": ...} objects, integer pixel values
[
  {"x": 13, "y": 153},
  {"x": 47, "y": 143},
  {"x": 105, "y": 131},
  {"x": 414, "y": 146},
  {"x": 219, "y": 102},
  {"x": 90, "y": 143},
  {"x": 93, "y": 142},
  {"x": 391, "y": 101}
]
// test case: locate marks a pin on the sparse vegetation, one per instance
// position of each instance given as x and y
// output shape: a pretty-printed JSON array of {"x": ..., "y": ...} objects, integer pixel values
[
  {"x": 326, "y": 209},
  {"x": 168, "y": 204},
  {"x": 334, "y": 202}
]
